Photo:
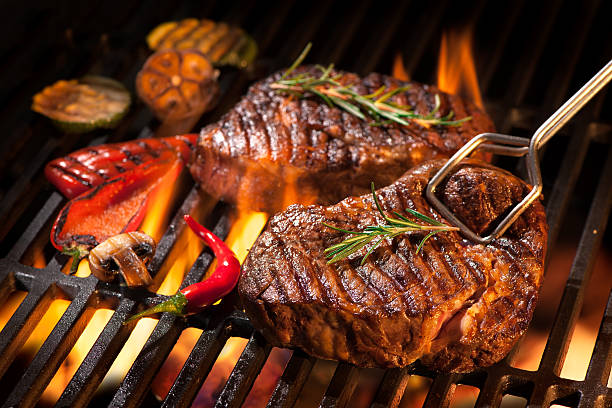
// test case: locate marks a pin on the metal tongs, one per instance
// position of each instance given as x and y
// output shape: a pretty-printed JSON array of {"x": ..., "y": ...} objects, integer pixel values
[{"x": 516, "y": 147}]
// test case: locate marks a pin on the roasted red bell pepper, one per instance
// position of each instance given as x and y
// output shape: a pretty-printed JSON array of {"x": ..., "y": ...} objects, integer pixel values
[
  {"x": 194, "y": 298},
  {"x": 89, "y": 167},
  {"x": 117, "y": 205}
]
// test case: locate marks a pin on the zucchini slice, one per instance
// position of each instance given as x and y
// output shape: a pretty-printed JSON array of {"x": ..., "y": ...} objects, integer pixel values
[
  {"x": 82, "y": 105},
  {"x": 222, "y": 43}
]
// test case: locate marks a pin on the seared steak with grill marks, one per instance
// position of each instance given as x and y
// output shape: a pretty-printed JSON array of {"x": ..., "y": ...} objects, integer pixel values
[
  {"x": 456, "y": 305},
  {"x": 272, "y": 150}
]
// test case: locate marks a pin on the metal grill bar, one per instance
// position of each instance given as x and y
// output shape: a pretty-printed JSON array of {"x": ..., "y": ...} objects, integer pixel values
[
  {"x": 341, "y": 386},
  {"x": 196, "y": 368},
  {"x": 35, "y": 226},
  {"x": 423, "y": 34},
  {"x": 504, "y": 28},
  {"x": 245, "y": 372},
  {"x": 573, "y": 159},
  {"x": 96, "y": 364},
  {"x": 374, "y": 48},
  {"x": 391, "y": 388},
  {"x": 441, "y": 391},
  {"x": 22, "y": 322},
  {"x": 601, "y": 360},
  {"x": 55, "y": 348},
  {"x": 291, "y": 382}
]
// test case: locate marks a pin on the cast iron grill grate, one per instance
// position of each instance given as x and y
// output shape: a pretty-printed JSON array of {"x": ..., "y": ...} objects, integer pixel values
[{"x": 531, "y": 60}]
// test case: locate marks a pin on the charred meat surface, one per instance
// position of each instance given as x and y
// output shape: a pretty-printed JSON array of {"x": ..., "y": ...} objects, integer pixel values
[
  {"x": 455, "y": 305},
  {"x": 273, "y": 149}
]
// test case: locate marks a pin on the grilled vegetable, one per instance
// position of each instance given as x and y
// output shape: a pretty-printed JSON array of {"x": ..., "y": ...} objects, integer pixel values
[
  {"x": 223, "y": 44},
  {"x": 178, "y": 84},
  {"x": 194, "y": 298},
  {"x": 82, "y": 105},
  {"x": 127, "y": 254},
  {"x": 89, "y": 167},
  {"x": 117, "y": 205}
]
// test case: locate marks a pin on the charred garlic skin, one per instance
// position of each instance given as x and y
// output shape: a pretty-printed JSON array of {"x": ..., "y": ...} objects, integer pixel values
[{"x": 126, "y": 253}]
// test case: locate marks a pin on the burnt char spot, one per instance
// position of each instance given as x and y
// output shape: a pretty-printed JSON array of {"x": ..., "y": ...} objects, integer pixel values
[
  {"x": 148, "y": 149},
  {"x": 143, "y": 249},
  {"x": 76, "y": 177},
  {"x": 134, "y": 158},
  {"x": 88, "y": 240}
]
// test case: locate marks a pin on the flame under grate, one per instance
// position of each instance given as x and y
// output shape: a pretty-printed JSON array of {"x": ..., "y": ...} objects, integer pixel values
[{"x": 516, "y": 78}]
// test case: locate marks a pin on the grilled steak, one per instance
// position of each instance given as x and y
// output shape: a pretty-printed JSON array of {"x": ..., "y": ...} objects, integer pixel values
[
  {"x": 456, "y": 305},
  {"x": 272, "y": 150}
]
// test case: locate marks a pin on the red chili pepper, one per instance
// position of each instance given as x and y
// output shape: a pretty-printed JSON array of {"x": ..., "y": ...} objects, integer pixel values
[
  {"x": 194, "y": 298},
  {"x": 115, "y": 206},
  {"x": 89, "y": 167}
]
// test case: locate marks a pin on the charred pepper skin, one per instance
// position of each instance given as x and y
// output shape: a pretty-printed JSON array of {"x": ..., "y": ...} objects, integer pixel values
[
  {"x": 196, "y": 297},
  {"x": 118, "y": 205},
  {"x": 87, "y": 168}
]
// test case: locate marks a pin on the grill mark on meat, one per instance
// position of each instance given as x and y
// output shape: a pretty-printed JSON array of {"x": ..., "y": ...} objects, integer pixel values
[
  {"x": 266, "y": 142},
  {"x": 303, "y": 287},
  {"x": 287, "y": 124},
  {"x": 472, "y": 273},
  {"x": 244, "y": 125},
  {"x": 276, "y": 133},
  {"x": 358, "y": 285},
  {"x": 239, "y": 143},
  {"x": 369, "y": 272}
]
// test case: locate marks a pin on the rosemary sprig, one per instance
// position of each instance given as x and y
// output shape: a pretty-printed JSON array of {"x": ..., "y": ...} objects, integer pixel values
[
  {"x": 378, "y": 233},
  {"x": 377, "y": 105}
]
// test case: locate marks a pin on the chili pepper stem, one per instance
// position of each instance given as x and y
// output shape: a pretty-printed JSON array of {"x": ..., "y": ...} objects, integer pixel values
[
  {"x": 175, "y": 305},
  {"x": 77, "y": 253}
]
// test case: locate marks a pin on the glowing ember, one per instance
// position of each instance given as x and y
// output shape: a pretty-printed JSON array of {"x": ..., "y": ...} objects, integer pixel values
[
  {"x": 456, "y": 70},
  {"x": 398, "y": 70}
]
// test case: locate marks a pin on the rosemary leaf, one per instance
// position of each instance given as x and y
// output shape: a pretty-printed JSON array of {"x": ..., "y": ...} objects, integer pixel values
[
  {"x": 392, "y": 228},
  {"x": 423, "y": 217},
  {"x": 377, "y": 104},
  {"x": 347, "y": 106},
  {"x": 298, "y": 61},
  {"x": 324, "y": 97},
  {"x": 431, "y": 234}
]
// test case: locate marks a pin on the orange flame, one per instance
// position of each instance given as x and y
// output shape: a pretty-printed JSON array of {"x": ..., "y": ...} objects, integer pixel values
[
  {"x": 456, "y": 69},
  {"x": 398, "y": 70}
]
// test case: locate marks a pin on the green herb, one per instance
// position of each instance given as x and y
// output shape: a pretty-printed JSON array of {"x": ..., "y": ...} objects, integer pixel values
[
  {"x": 377, "y": 233},
  {"x": 377, "y": 104},
  {"x": 77, "y": 254}
]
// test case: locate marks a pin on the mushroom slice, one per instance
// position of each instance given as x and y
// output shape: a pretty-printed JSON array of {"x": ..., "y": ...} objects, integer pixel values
[{"x": 127, "y": 254}]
